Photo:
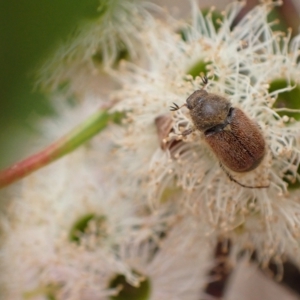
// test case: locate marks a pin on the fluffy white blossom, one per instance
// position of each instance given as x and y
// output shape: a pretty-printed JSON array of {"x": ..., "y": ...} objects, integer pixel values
[
  {"x": 156, "y": 203},
  {"x": 241, "y": 63},
  {"x": 74, "y": 67}
]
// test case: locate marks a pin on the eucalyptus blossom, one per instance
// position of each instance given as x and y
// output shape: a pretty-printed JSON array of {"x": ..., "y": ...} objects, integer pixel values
[{"x": 141, "y": 205}]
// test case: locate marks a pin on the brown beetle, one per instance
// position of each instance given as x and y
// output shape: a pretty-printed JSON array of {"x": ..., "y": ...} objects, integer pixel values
[{"x": 235, "y": 139}]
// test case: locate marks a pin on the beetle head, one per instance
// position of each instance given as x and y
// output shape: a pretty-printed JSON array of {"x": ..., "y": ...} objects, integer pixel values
[{"x": 207, "y": 110}]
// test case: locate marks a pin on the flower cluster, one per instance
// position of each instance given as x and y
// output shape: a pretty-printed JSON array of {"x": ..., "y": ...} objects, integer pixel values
[
  {"x": 141, "y": 204},
  {"x": 243, "y": 62}
]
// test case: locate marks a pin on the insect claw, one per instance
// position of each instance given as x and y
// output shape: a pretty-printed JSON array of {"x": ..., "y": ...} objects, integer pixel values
[{"x": 175, "y": 107}]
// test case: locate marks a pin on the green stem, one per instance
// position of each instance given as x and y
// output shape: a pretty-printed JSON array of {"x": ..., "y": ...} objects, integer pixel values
[{"x": 83, "y": 132}]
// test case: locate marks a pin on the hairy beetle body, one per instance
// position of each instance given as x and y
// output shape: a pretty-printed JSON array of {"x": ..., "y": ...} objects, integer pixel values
[
  {"x": 236, "y": 140},
  {"x": 240, "y": 146}
]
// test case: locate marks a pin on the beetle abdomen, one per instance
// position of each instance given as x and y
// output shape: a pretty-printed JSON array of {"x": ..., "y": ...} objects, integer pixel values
[{"x": 240, "y": 146}]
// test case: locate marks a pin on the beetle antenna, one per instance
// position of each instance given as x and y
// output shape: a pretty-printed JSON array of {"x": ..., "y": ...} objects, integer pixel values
[
  {"x": 243, "y": 185},
  {"x": 176, "y": 107},
  {"x": 204, "y": 81}
]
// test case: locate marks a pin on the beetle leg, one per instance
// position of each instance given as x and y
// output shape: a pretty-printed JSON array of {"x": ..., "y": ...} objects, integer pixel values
[
  {"x": 243, "y": 185},
  {"x": 188, "y": 131}
]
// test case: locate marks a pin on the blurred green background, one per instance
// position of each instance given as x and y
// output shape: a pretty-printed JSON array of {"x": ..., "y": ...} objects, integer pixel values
[{"x": 29, "y": 32}]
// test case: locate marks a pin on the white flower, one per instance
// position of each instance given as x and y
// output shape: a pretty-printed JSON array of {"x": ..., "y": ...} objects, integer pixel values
[
  {"x": 77, "y": 66},
  {"x": 65, "y": 226},
  {"x": 241, "y": 65},
  {"x": 41, "y": 234},
  {"x": 154, "y": 204},
  {"x": 179, "y": 265}
]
